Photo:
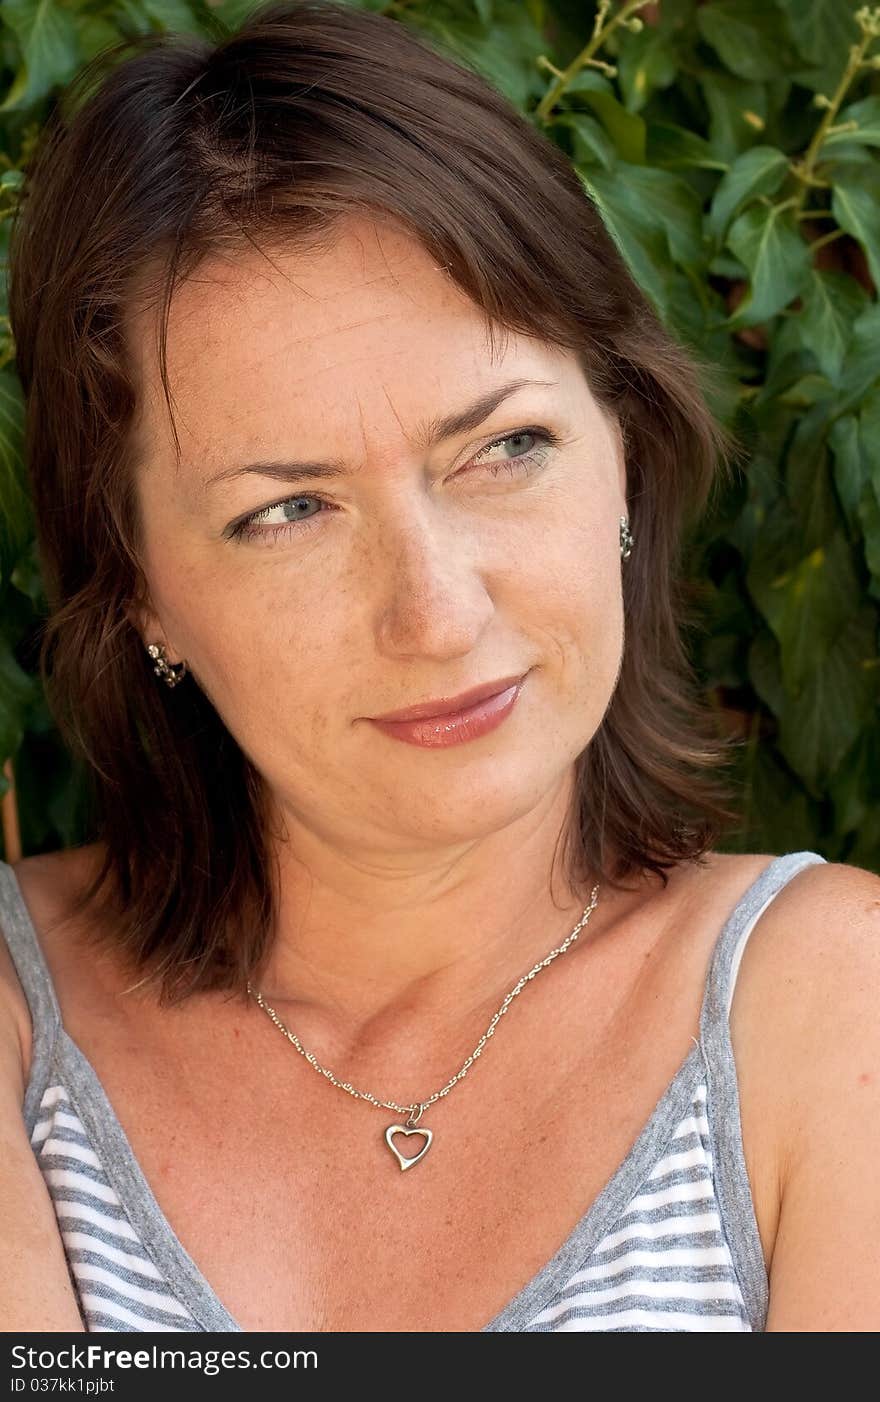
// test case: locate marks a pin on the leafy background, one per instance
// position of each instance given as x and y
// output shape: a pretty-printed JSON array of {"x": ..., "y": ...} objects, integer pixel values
[{"x": 733, "y": 149}]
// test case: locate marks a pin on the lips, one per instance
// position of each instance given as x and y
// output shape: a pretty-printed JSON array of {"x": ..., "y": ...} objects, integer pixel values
[{"x": 448, "y": 705}]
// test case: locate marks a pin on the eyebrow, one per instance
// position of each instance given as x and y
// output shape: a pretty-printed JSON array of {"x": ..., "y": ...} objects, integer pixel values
[{"x": 433, "y": 431}]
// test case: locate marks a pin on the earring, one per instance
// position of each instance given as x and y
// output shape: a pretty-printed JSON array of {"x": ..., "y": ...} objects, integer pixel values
[
  {"x": 626, "y": 539},
  {"x": 171, "y": 672}
]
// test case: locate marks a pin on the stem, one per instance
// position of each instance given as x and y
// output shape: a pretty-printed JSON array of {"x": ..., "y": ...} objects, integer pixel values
[
  {"x": 808, "y": 181},
  {"x": 543, "y": 62},
  {"x": 804, "y": 169},
  {"x": 827, "y": 238},
  {"x": 585, "y": 57}
]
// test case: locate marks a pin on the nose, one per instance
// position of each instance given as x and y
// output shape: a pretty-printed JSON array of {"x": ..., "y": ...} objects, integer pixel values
[{"x": 433, "y": 598}]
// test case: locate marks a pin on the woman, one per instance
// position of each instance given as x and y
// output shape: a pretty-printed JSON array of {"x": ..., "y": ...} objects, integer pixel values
[{"x": 342, "y": 404}]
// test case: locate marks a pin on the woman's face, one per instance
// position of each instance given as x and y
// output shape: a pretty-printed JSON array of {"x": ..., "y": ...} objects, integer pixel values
[{"x": 426, "y": 563}]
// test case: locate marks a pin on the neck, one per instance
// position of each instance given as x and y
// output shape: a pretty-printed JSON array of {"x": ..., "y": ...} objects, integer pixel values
[{"x": 374, "y": 945}]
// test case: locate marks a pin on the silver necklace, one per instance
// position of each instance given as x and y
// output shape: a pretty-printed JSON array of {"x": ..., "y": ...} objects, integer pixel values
[{"x": 415, "y": 1111}]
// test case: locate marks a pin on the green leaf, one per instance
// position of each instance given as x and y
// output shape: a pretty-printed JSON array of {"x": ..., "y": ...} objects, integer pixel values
[
  {"x": 502, "y": 52},
  {"x": 807, "y": 605},
  {"x": 656, "y": 202},
  {"x": 17, "y": 690},
  {"x": 94, "y": 33},
  {"x": 672, "y": 147},
  {"x": 823, "y": 720},
  {"x": 16, "y": 521},
  {"x": 589, "y": 80},
  {"x": 233, "y": 13},
  {"x": 823, "y": 31},
  {"x": 770, "y": 246},
  {"x": 809, "y": 390},
  {"x": 844, "y": 152},
  {"x": 759, "y": 171},
  {"x": 27, "y": 578},
  {"x": 865, "y": 850},
  {"x": 822, "y": 27},
  {"x": 590, "y": 141},
  {"x": 869, "y": 513},
  {"x": 831, "y": 303},
  {"x": 47, "y": 38},
  {"x": 626, "y": 129},
  {"x": 160, "y": 16},
  {"x": 738, "y": 113},
  {"x": 765, "y": 671},
  {"x": 808, "y": 478},
  {"x": 855, "y": 204},
  {"x": 869, "y": 433},
  {"x": 778, "y": 815},
  {"x": 647, "y": 62},
  {"x": 855, "y": 442},
  {"x": 843, "y": 440},
  {"x": 645, "y": 250},
  {"x": 848, "y": 787},
  {"x": 868, "y": 508},
  {"x": 867, "y": 114},
  {"x": 862, "y": 365},
  {"x": 749, "y": 36}
]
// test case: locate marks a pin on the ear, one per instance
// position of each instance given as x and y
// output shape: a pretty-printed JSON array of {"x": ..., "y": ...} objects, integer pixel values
[{"x": 145, "y": 622}]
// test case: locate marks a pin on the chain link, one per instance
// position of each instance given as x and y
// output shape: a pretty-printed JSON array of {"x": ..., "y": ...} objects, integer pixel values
[{"x": 416, "y": 1110}]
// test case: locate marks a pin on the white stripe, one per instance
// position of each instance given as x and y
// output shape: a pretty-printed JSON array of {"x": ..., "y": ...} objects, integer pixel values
[
  {"x": 82, "y": 1241},
  {"x": 68, "y": 1120},
  {"x": 54, "y": 1095},
  {"x": 659, "y": 1319},
  {"x": 670, "y": 1226},
  {"x": 69, "y": 1178},
  {"x": 694, "y": 1256},
  {"x": 652, "y": 1289},
  {"x": 110, "y": 1307},
  {"x": 157, "y": 1299},
  {"x": 663, "y": 1197},
  {"x": 61, "y": 1119},
  {"x": 694, "y": 1124},
  {"x": 81, "y": 1152},
  {"x": 688, "y": 1158},
  {"x": 80, "y": 1211}
]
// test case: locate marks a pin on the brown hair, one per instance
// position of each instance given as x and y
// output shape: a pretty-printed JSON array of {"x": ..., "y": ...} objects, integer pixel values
[{"x": 310, "y": 111}]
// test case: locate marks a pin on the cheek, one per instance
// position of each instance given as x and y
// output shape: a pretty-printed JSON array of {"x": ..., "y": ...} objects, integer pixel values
[
  {"x": 276, "y": 671},
  {"x": 568, "y": 607},
  {"x": 572, "y": 594}
]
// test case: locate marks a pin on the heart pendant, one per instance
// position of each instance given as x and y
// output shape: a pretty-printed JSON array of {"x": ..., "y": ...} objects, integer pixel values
[{"x": 405, "y": 1163}]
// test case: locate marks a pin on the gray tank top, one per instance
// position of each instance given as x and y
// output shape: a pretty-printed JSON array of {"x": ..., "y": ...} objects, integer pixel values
[{"x": 671, "y": 1243}]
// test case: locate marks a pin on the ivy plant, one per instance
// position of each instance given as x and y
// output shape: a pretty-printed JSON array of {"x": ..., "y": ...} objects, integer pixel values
[{"x": 733, "y": 150}]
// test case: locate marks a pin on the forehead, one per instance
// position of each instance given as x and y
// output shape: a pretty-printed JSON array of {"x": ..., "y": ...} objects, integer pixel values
[{"x": 370, "y": 325}]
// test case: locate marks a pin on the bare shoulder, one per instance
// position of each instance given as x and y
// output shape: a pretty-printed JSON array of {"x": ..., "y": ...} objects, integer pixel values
[
  {"x": 810, "y": 976},
  {"x": 816, "y": 948},
  {"x": 46, "y": 881},
  {"x": 807, "y": 1015}
]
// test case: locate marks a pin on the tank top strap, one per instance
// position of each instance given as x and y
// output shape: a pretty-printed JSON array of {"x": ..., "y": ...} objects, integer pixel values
[
  {"x": 731, "y": 942},
  {"x": 17, "y": 929},
  {"x": 732, "y": 1184}
]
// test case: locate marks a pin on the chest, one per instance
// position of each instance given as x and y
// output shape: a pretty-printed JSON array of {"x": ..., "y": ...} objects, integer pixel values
[
  {"x": 283, "y": 1191},
  {"x": 285, "y": 1194}
]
